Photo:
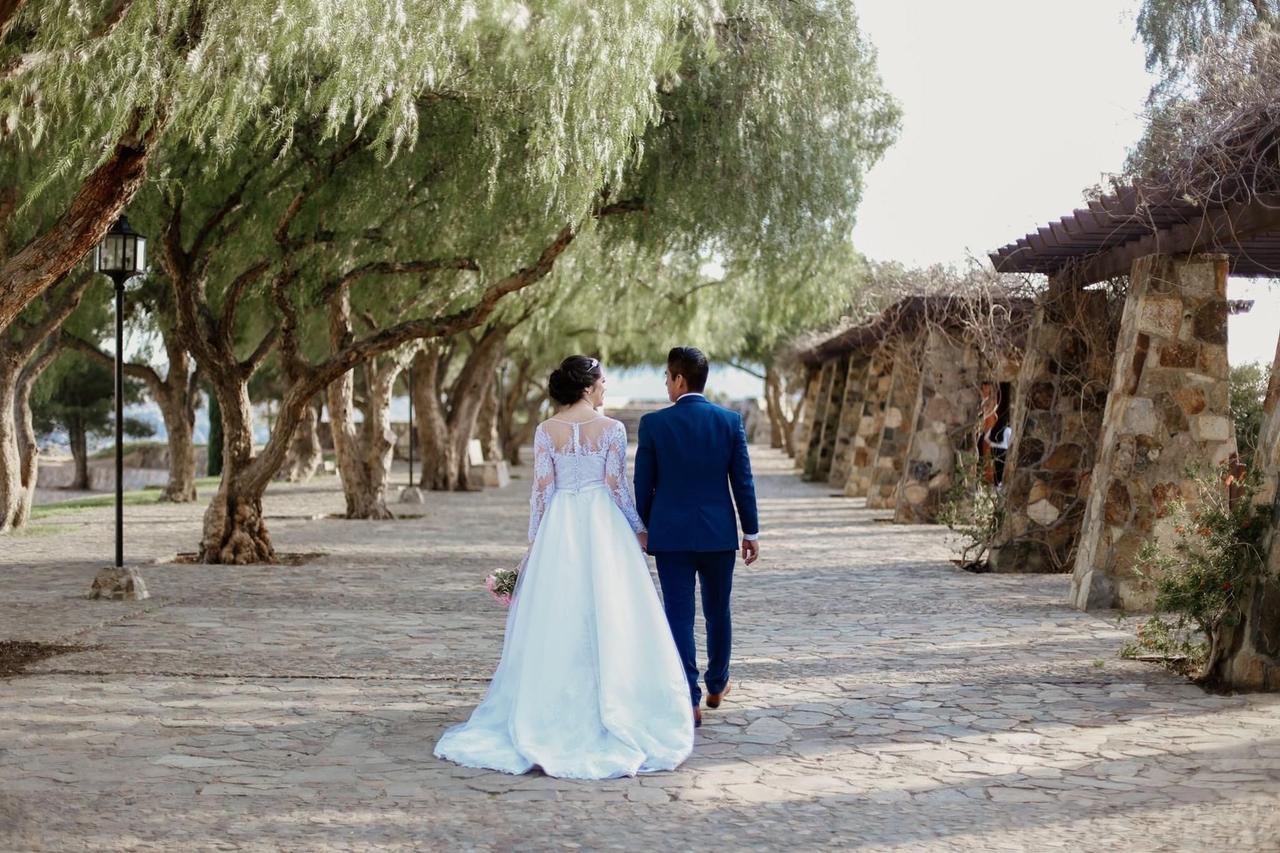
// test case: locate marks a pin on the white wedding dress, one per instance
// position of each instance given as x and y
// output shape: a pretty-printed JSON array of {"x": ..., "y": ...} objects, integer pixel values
[{"x": 589, "y": 685}]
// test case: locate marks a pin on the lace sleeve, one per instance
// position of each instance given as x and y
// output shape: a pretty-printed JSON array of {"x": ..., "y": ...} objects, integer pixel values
[
  {"x": 615, "y": 475},
  {"x": 544, "y": 479}
]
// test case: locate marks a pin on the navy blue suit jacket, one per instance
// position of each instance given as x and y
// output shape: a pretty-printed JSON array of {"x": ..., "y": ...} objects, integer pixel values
[{"x": 688, "y": 459}]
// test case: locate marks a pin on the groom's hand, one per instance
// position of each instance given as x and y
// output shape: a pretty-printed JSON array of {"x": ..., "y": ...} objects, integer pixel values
[
  {"x": 643, "y": 536},
  {"x": 750, "y": 551}
]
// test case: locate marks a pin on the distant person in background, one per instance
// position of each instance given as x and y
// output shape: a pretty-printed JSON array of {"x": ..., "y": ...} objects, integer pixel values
[{"x": 998, "y": 438}]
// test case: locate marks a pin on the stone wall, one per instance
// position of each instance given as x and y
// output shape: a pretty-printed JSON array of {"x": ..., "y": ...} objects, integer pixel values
[
  {"x": 866, "y": 438},
  {"x": 804, "y": 417},
  {"x": 896, "y": 426},
  {"x": 947, "y": 417},
  {"x": 1167, "y": 408},
  {"x": 822, "y": 443},
  {"x": 1057, "y": 421},
  {"x": 855, "y": 389}
]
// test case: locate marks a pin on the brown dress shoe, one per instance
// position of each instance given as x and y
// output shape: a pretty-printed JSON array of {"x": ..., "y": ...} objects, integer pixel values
[
  {"x": 697, "y": 717},
  {"x": 714, "y": 699}
]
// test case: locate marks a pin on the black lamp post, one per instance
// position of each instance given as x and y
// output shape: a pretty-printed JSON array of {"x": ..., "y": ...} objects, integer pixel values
[
  {"x": 120, "y": 256},
  {"x": 409, "y": 384},
  {"x": 410, "y": 494}
]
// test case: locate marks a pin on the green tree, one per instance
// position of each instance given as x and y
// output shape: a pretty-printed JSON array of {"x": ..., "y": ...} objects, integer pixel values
[
  {"x": 1248, "y": 387},
  {"x": 78, "y": 395},
  {"x": 27, "y": 348},
  {"x": 1176, "y": 31}
]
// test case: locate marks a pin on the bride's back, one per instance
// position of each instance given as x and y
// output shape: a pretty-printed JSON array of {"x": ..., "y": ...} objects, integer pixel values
[{"x": 578, "y": 454}]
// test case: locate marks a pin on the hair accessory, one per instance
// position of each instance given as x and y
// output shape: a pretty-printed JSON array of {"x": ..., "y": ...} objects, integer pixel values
[{"x": 594, "y": 363}]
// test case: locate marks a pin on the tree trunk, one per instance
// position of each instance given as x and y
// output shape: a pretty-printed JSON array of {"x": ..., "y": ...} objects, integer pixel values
[
  {"x": 28, "y": 450},
  {"x": 773, "y": 405},
  {"x": 445, "y": 435},
  {"x": 364, "y": 456},
  {"x": 487, "y": 426},
  {"x": 181, "y": 487},
  {"x": 522, "y": 434},
  {"x": 781, "y": 421},
  {"x": 439, "y": 467},
  {"x": 213, "y": 468},
  {"x": 11, "y": 490},
  {"x": 234, "y": 530},
  {"x": 80, "y": 453},
  {"x": 305, "y": 453}
]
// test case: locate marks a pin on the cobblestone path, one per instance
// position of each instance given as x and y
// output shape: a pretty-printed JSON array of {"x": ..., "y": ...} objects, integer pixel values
[{"x": 883, "y": 700}]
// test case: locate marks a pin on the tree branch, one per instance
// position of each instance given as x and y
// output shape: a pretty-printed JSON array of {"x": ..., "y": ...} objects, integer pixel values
[
  {"x": 231, "y": 301},
  {"x": 230, "y": 205},
  {"x": 395, "y": 268},
  {"x": 25, "y": 62},
  {"x": 745, "y": 369},
  {"x": 145, "y": 372},
  {"x": 9, "y": 11},
  {"x": 62, "y": 304},
  {"x": 31, "y": 372},
  {"x": 281, "y": 233},
  {"x": 295, "y": 366},
  {"x": 92, "y": 210},
  {"x": 263, "y": 349}
]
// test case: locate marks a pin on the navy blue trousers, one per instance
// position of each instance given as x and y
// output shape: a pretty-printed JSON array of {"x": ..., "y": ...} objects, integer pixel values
[{"x": 713, "y": 570}]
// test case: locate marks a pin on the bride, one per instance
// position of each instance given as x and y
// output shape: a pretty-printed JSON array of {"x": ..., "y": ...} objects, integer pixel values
[{"x": 590, "y": 685}]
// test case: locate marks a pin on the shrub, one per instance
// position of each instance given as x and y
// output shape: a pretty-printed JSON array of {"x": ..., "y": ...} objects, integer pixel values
[
  {"x": 1202, "y": 573},
  {"x": 973, "y": 510}
]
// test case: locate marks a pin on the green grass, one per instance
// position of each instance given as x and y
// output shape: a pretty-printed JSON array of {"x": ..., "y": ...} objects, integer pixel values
[
  {"x": 141, "y": 497},
  {"x": 32, "y": 531},
  {"x": 129, "y": 447},
  {"x": 145, "y": 496}
]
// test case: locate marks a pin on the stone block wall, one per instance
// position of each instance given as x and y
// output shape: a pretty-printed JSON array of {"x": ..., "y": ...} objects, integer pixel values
[
  {"x": 866, "y": 438},
  {"x": 805, "y": 417},
  {"x": 819, "y": 418},
  {"x": 828, "y": 422},
  {"x": 946, "y": 420},
  {"x": 855, "y": 389},
  {"x": 896, "y": 426},
  {"x": 1167, "y": 407},
  {"x": 1057, "y": 423}
]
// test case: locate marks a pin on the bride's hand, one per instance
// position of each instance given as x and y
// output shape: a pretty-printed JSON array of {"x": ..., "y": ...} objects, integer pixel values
[{"x": 643, "y": 536}]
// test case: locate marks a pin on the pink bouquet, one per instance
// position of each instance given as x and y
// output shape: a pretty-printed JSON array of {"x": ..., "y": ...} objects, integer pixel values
[{"x": 502, "y": 585}]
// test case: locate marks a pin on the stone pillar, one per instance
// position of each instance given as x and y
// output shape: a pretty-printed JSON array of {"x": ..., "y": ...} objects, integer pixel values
[
  {"x": 866, "y": 438},
  {"x": 818, "y": 420},
  {"x": 819, "y": 467},
  {"x": 947, "y": 419},
  {"x": 1167, "y": 408},
  {"x": 1250, "y": 655},
  {"x": 805, "y": 417},
  {"x": 1057, "y": 422},
  {"x": 896, "y": 425},
  {"x": 855, "y": 390}
]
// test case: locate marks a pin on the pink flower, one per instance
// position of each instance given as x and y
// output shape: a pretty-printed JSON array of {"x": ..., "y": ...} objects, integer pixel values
[{"x": 502, "y": 585}]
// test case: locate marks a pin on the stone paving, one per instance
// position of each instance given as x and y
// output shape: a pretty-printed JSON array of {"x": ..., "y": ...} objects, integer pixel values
[{"x": 884, "y": 700}]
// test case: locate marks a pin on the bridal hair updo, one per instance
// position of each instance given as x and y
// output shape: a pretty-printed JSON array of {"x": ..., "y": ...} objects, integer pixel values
[{"x": 572, "y": 378}]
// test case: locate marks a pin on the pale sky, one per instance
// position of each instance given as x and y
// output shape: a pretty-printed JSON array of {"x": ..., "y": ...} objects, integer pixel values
[{"x": 1010, "y": 109}]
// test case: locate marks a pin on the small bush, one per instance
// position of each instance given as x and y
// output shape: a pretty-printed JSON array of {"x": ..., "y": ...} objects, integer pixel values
[
  {"x": 1202, "y": 573},
  {"x": 972, "y": 509}
]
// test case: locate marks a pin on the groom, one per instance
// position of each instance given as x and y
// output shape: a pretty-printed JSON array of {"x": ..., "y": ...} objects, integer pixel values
[{"x": 688, "y": 459}]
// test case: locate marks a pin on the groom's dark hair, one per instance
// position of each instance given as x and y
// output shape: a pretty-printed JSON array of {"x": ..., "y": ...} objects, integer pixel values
[{"x": 690, "y": 363}]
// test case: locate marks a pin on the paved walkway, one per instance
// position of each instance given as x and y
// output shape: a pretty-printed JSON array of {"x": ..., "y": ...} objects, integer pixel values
[{"x": 884, "y": 700}]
